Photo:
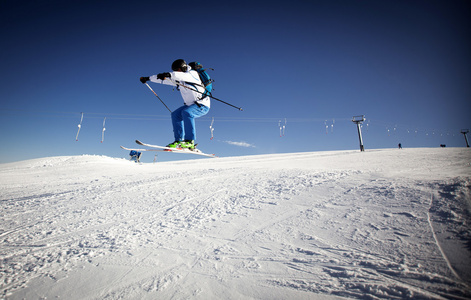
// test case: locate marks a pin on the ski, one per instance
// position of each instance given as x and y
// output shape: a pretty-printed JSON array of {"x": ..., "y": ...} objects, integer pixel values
[
  {"x": 167, "y": 149},
  {"x": 142, "y": 150}
]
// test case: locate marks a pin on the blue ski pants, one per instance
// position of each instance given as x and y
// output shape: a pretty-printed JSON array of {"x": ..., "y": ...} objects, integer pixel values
[{"x": 183, "y": 120}]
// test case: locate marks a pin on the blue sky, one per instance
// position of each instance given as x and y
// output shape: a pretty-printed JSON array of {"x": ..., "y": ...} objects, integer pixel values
[{"x": 405, "y": 65}]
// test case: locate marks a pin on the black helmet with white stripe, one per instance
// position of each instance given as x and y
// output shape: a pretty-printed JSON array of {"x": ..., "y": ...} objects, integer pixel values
[{"x": 180, "y": 65}]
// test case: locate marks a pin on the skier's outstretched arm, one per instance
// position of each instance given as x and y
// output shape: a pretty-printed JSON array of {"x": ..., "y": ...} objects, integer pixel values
[{"x": 158, "y": 79}]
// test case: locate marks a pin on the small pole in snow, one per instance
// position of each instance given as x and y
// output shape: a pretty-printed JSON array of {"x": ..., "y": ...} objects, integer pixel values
[
  {"x": 465, "y": 132},
  {"x": 358, "y": 120}
]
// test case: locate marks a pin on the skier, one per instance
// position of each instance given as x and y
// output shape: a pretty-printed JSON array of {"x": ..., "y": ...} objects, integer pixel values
[{"x": 196, "y": 105}]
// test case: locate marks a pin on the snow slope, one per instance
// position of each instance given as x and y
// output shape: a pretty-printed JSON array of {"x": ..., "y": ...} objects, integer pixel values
[{"x": 382, "y": 224}]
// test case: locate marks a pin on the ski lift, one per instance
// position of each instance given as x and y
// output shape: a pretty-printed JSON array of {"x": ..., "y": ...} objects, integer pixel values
[
  {"x": 282, "y": 128},
  {"x": 103, "y": 131},
  {"x": 79, "y": 127},
  {"x": 358, "y": 119},
  {"x": 212, "y": 129}
]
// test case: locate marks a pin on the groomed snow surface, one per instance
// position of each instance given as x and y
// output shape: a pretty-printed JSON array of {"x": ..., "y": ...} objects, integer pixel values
[{"x": 382, "y": 224}]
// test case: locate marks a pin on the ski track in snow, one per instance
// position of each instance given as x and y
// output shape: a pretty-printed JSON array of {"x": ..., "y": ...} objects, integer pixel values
[{"x": 385, "y": 224}]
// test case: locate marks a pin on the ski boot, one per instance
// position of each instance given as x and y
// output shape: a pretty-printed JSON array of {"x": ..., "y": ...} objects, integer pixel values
[
  {"x": 188, "y": 144},
  {"x": 175, "y": 145}
]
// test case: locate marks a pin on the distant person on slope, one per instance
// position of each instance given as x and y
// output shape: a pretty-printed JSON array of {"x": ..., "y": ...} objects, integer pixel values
[{"x": 196, "y": 105}]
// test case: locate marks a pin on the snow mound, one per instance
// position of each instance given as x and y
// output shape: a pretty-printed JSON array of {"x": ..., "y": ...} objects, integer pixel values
[
  {"x": 63, "y": 161},
  {"x": 383, "y": 224}
]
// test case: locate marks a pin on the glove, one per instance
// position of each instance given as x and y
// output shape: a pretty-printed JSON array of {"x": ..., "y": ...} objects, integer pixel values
[
  {"x": 162, "y": 76},
  {"x": 144, "y": 79}
]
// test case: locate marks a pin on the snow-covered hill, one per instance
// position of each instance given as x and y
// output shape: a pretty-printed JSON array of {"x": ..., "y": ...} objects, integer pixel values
[{"x": 383, "y": 224}]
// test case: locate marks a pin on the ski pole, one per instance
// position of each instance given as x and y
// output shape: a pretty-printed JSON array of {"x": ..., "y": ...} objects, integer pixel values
[
  {"x": 239, "y": 108},
  {"x": 158, "y": 97}
]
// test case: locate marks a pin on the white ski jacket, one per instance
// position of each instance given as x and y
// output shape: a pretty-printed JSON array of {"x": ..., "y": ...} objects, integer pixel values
[{"x": 189, "y": 95}]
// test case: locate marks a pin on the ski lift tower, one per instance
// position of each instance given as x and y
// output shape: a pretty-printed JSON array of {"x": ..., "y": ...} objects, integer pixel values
[
  {"x": 358, "y": 120},
  {"x": 465, "y": 132}
]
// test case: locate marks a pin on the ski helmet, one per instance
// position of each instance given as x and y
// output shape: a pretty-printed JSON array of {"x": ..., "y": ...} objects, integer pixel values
[{"x": 180, "y": 64}]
